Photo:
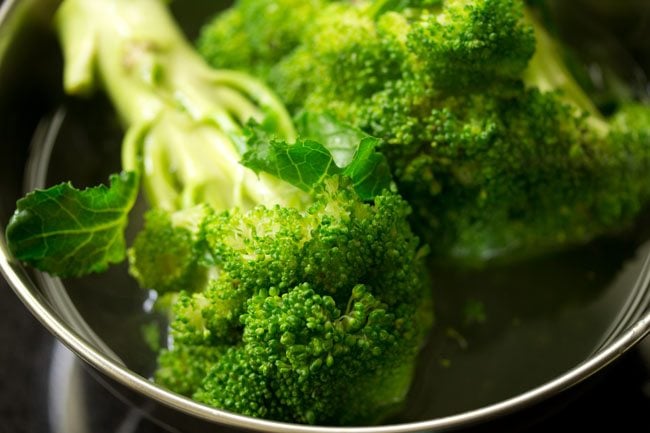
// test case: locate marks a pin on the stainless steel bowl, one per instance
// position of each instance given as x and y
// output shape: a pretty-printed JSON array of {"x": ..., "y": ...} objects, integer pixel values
[{"x": 551, "y": 322}]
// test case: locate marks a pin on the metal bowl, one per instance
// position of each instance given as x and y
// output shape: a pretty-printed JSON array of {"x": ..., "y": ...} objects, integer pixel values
[{"x": 539, "y": 327}]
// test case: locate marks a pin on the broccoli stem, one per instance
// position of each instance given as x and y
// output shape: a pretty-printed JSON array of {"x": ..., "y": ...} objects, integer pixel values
[
  {"x": 378, "y": 7},
  {"x": 184, "y": 120},
  {"x": 548, "y": 72}
]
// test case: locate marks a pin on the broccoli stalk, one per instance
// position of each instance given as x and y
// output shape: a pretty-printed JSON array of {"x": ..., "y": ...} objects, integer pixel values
[
  {"x": 184, "y": 119},
  {"x": 548, "y": 72}
]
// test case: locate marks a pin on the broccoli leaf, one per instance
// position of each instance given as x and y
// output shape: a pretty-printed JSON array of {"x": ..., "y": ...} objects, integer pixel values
[
  {"x": 70, "y": 232},
  {"x": 330, "y": 148},
  {"x": 303, "y": 163},
  {"x": 369, "y": 170},
  {"x": 340, "y": 139}
]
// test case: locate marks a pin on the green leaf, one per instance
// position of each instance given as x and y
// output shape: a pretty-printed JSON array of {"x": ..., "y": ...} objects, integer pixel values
[
  {"x": 68, "y": 232},
  {"x": 328, "y": 148},
  {"x": 340, "y": 139},
  {"x": 369, "y": 170},
  {"x": 303, "y": 164}
]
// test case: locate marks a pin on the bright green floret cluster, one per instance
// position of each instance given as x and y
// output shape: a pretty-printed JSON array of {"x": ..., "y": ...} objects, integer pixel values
[
  {"x": 258, "y": 32},
  {"x": 310, "y": 316},
  {"x": 491, "y": 140},
  {"x": 168, "y": 253}
]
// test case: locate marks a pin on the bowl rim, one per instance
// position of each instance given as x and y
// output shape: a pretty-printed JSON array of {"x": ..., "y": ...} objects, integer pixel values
[{"x": 24, "y": 288}]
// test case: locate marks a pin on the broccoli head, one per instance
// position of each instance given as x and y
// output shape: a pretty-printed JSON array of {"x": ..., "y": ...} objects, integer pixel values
[
  {"x": 496, "y": 146},
  {"x": 257, "y": 32},
  {"x": 468, "y": 43},
  {"x": 498, "y": 182},
  {"x": 166, "y": 255},
  {"x": 307, "y": 360},
  {"x": 317, "y": 315}
]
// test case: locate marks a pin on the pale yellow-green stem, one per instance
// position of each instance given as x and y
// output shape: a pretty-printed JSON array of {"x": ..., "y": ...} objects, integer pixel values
[
  {"x": 183, "y": 118},
  {"x": 547, "y": 71}
]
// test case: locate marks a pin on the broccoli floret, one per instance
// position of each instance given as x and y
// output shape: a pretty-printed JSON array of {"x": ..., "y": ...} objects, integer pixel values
[
  {"x": 470, "y": 43},
  {"x": 543, "y": 183},
  {"x": 257, "y": 32},
  {"x": 331, "y": 309},
  {"x": 307, "y": 359},
  {"x": 184, "y": 368},
  {"x": 357, "y": 55},
  {"x": 338, "y": 241},
  {"x": 167, "y": 253},
  {"x": 491, "y": 140},
  {"x": 354, "y": 51}
]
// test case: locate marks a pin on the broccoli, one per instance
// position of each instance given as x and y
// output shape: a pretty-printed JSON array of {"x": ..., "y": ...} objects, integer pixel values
[
  {"x": 296, "y": 287},
  {"x": 258, "y": 32},
  {"x": 319, "y": 312},
  {"x": 167, "y": 255},
  {"x": 491, "y": 140}
]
